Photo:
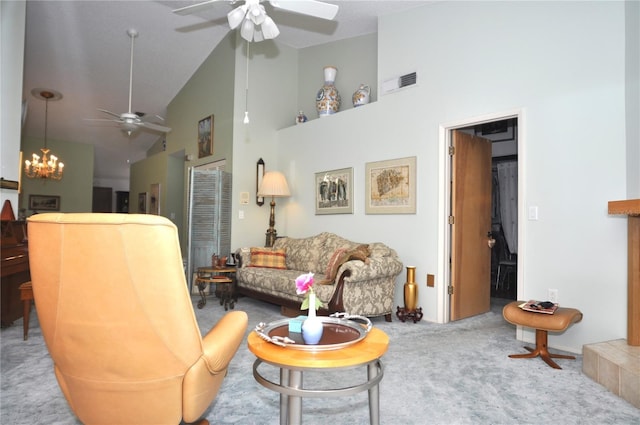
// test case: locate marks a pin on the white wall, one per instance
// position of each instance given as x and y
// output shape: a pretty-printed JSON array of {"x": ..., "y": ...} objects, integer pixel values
[
  {"x": 563, "y": 65},
  {"x": 632, "y": 27},
  {"x": 12, "y": 53}
]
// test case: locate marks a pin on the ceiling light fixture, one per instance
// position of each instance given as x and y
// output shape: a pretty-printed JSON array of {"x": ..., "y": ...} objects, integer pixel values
[
  {"x": 48, "y": 166},
  {"x": 254, "y": 23}
]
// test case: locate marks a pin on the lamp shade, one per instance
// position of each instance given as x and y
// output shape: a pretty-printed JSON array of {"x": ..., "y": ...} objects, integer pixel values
[{"x": 274, "y": 184}]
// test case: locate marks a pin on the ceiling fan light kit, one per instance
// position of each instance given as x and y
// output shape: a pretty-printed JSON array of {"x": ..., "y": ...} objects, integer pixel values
[{"x": 255, "y": 24}]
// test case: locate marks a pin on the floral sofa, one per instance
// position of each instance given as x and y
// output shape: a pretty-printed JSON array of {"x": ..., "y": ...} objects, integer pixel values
[{"x": 348, "y": 276}]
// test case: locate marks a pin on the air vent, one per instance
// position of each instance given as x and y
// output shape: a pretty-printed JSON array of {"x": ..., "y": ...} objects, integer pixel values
[
  {"x": 408, "y": 80},
  {"x": 396, "y": 83}
]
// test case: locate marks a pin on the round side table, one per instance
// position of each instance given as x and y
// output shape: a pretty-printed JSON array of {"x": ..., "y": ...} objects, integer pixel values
[{"x": 292, "y": 363}]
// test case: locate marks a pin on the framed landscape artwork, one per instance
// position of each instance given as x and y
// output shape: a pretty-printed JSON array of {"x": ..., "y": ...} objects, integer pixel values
[
  {"x": 334, "y": 191},
  {"x": 205, "y": 137},
  {"x": 390, "y": 186},
  {"x": 44, "y": 202}
]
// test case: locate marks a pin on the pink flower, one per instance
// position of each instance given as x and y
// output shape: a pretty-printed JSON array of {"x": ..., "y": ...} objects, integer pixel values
[{"x": 304, "y": 283}]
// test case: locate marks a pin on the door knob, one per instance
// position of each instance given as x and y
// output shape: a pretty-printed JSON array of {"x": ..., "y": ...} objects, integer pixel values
[{"x": 490, "y": 240}]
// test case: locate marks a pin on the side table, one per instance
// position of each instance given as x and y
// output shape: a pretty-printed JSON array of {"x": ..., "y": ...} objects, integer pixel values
[
  {"x": 225, "y": 281},
  {"x": 292, "y": 363}
]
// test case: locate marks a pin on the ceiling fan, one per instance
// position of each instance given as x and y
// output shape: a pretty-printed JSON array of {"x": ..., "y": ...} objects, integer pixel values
[
  {"x": 256, "y": 24},
  {"x": 132, "y": 121}
]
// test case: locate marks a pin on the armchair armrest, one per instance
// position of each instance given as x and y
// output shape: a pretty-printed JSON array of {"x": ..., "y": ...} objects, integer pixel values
[{"x": 220, "y": 344}]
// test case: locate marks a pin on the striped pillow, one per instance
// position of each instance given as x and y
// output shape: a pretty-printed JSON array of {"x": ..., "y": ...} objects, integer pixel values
[{"x": 268, "y": 258}]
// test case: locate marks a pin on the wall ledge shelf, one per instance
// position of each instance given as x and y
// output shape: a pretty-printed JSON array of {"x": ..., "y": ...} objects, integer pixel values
[{"x": 626, "y": 207}]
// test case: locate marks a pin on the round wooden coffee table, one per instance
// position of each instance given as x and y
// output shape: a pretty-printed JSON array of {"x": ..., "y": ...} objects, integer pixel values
[{"x": 292, "y": 363}]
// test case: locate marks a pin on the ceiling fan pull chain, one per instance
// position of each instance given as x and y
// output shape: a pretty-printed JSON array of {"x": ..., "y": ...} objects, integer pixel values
[{"x": 246, "y": 90}]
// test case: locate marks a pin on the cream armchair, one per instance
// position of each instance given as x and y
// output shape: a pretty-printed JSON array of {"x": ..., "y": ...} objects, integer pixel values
[{"x": 118, "y": 321}]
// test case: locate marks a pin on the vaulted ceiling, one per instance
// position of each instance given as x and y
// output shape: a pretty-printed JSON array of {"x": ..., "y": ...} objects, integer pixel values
[{"x": 81, "y": 49}]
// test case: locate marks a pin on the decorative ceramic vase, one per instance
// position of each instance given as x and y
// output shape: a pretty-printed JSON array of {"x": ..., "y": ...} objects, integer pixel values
[
  {"x": 312, "y": 327},
  {"x": 361, "y": 96},
  {"x": 328, "y": 98},
  {"x": 411, "y": 290},
  {"x": 301, "y": 118}
]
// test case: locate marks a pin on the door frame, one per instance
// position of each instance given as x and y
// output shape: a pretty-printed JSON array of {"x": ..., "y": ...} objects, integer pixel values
[{"x": 443, "y": 305}]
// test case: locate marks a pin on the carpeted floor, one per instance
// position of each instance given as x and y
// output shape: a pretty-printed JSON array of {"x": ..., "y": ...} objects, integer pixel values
[{"x": 457, "y": 373}]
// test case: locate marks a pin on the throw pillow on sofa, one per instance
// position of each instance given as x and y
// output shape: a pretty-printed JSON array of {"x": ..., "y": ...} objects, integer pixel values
[{"x": 268, "y": 258}]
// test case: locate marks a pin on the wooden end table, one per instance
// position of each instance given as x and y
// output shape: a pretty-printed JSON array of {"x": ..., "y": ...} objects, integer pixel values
[
  {"x": 225, "y": 280},
  {"x": 293, "y": 363}
]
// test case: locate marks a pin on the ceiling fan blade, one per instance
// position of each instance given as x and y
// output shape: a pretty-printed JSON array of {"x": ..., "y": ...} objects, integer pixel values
[
  {"x": 195, "y": 8},
  {"x": 154, "y": 127},
  {"x": 313, "y": 8},
  {"x": 101, "y": 120},
  {"x": 109, "y": 112}
]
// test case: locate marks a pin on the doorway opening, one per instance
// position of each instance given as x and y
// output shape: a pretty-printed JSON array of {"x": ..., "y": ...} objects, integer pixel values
[
  {"x": 503, "y": 135},
  {"x": 504, "y": 281}
]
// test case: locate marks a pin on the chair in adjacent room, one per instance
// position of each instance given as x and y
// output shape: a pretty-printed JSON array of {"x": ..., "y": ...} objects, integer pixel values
[
  {"x": 507, "y": 264},
  {"x": 118, "y": 320}
]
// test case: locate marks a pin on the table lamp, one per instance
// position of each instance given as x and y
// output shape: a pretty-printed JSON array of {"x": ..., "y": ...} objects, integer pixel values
[{"x": 274, "y": 185}]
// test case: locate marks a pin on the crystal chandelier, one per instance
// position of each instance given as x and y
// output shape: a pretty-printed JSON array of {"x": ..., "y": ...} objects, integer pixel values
[{"x": 47, "y": 166}]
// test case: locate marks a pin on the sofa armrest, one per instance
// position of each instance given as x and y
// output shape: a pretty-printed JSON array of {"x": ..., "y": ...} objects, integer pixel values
[
  {"x": 220, "y": 344},
  {"x": 243, "y": 257},
  {"x": 377, "y": 267}
]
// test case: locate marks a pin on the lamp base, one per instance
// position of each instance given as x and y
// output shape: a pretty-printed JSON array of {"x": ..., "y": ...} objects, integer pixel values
[{"x": 271, "y": 237}]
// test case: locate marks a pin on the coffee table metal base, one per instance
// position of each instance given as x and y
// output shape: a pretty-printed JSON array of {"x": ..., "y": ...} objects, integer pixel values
[{"x": 291, "y": 391}]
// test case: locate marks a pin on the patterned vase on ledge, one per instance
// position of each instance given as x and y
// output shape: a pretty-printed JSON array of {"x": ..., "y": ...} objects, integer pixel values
[
  {"x": 312, "y": 327},
  {"x": 328, "y": 98}
]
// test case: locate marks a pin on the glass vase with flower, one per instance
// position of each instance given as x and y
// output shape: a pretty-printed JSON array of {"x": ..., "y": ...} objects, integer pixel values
[{"x": 312, "y": 326}]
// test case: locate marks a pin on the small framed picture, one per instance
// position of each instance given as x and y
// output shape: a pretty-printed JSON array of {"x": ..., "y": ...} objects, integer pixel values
[
  {"x": 390, "y": 186},
  {"x": 142, "y": 203},
  {"x": 334, "y": 191},
  {"x": 205, "y": 137},
  {"x": 44, "y": 203}
]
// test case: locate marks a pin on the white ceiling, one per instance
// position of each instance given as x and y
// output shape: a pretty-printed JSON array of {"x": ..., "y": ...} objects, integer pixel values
[{"x": 81, "y": 49}]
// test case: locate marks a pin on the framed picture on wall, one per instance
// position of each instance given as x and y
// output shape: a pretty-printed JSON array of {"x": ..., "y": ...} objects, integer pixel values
[
  {"x": 205, "y": 137},
  {"x": 142, "y": 203},
  {"x": 390, "y": 186},
  {"x": 154, "y": 199},
  {"x": 44, "y": 203},
  {"x": 334, "y": 191}
]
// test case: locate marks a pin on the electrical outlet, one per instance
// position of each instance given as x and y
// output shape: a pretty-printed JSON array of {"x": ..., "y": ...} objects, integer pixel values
[
  {"x": 553, "y": 295},
  {"x": 431, "y": 280}
]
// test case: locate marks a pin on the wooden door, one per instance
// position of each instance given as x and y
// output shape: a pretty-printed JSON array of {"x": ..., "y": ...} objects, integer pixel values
[{"x": 470, "y": 285}]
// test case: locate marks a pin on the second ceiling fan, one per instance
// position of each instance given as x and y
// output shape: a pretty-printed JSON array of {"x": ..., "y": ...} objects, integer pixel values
[
  {"x": 255, "y": 24},
  {"x": 132, "y": 121}
]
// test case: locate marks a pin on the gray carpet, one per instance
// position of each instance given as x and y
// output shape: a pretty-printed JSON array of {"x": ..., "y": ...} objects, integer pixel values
[{"x": 457, "y": 373}]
